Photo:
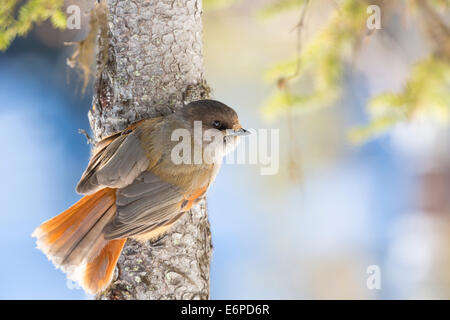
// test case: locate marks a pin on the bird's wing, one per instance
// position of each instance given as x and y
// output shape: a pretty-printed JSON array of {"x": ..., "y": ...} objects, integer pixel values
[
  {"x": 144, "y": 201},
  {"x": 117, "y": 161},
  {"x": 147, "y": 204}
]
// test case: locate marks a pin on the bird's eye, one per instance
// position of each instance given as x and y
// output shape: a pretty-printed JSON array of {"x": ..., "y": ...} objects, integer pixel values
[{"x": 216, "y": 124}]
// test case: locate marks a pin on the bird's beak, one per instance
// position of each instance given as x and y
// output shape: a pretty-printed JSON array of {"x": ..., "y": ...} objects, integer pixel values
[{"x": 238, "y": 132}]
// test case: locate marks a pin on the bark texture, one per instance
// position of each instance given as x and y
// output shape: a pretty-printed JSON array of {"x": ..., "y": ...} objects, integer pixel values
[{"x": 150, "y": 63}]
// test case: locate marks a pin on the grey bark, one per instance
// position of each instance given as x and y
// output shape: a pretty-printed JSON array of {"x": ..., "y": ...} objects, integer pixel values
[{"x": 154, "y": 65}]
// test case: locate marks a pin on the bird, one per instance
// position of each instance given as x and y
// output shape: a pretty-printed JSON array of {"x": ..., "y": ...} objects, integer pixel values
[{"x": 137, "y": 184}]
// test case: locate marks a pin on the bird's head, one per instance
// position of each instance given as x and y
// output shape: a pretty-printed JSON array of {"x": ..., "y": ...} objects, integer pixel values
[{"x": 217, "y": 121}]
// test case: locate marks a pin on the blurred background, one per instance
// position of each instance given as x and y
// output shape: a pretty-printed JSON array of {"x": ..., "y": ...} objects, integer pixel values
[{"x": 347, "y": 195}]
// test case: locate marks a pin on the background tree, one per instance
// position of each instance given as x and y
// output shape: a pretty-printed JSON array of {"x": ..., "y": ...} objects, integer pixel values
[
  {"x": 312, "y": 78},
  {"x": 154, "y": 65}
]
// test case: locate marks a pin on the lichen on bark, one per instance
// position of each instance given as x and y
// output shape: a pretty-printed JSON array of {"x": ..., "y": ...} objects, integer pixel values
[{"x": 154, "y": 66}]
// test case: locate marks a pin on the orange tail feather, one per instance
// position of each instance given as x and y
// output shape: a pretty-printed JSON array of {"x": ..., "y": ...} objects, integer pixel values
[
  {"x": 99, "y": 272},
  {"x": 74, "y": 240}
]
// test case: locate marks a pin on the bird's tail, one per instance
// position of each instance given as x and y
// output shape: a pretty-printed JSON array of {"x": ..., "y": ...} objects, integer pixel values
[{"x": 74, "y": 241}]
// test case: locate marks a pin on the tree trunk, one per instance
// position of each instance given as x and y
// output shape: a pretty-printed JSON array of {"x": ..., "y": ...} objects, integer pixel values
[{"x": 153, "y": 65}]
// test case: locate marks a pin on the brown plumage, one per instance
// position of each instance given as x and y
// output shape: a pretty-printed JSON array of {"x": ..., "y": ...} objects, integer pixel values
[{"x": 133, "y": 188}]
